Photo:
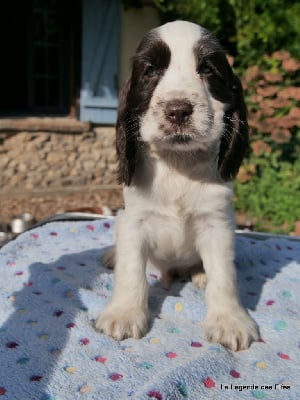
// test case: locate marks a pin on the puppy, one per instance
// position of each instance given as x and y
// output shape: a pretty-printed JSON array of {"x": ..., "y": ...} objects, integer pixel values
[{"x": 181, "y": 137}]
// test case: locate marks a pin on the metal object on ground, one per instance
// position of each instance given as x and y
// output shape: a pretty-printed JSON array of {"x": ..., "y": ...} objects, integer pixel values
[
  {"x": 21, "y": 223},
  {"x": 5, "y": 235}
]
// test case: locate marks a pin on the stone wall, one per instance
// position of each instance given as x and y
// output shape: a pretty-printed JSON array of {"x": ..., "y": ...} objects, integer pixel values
[{"x": 37, "y": 160}]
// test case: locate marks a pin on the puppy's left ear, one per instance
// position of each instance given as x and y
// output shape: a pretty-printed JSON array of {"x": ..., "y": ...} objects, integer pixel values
[{"x": 235, "y": 139}]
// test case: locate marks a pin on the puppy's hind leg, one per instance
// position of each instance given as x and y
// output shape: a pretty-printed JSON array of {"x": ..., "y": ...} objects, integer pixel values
[
  {"x": 108, "y": 259},
  {"x": 198, "y": 276}
]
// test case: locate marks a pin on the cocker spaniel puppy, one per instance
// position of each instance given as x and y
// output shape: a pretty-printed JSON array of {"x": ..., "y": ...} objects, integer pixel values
[{"x": 181, "y": 137}]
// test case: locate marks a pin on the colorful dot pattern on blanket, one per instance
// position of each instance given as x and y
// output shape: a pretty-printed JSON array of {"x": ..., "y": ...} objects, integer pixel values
[{"x": 53, "y": 286}]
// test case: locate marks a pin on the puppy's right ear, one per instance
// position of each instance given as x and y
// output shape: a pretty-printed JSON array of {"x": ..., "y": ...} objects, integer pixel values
[{"x": 126, "y": 137}]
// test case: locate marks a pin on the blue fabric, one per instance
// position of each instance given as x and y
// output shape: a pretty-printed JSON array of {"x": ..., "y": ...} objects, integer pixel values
[{"x": 52, "y": 288}]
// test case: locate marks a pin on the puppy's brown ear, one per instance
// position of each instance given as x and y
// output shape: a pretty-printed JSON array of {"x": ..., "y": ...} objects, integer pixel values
[
  {"x": 126, "y": 137},
  {"x": 235, "y": 140}
]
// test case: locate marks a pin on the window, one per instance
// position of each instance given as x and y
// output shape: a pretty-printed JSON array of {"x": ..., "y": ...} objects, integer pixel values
[
  {"x": 45, "y": 56},
  {"x": 40, "y": 61}
]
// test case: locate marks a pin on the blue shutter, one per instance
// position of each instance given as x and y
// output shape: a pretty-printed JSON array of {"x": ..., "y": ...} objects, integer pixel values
[{"x": 100, "y": 61}]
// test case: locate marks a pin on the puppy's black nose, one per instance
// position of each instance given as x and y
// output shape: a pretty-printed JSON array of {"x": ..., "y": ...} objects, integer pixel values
[{"x": 178, "y": 111}]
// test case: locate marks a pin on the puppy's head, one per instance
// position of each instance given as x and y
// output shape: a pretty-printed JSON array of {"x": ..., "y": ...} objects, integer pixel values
[{"x": 182, "y": 96}]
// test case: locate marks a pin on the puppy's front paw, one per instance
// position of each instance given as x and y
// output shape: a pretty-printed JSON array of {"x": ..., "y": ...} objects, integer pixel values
[
  {"x": 235, "y": 329},
  {"x": 122, "y": 322}
]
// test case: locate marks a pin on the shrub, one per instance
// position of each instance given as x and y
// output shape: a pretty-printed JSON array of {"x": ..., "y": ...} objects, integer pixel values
[{"x": 268, "y": 184}]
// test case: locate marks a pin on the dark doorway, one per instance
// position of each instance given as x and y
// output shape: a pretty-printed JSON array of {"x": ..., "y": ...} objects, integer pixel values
[{"x": 40, "y": 56}]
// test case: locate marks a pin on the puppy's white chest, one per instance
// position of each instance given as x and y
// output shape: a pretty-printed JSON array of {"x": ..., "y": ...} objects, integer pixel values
[{"x": 171, "y": 239}]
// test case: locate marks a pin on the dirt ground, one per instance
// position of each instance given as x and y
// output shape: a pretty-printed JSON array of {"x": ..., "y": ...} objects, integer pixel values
[
  {"x": 42, "y": 206},
  {"x": 45, "y": 205}
]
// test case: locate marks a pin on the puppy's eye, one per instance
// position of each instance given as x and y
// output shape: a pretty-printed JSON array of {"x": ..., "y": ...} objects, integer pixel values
[
  {"x": 205, "y": 69},
  {"x": 150, "y": 71}
]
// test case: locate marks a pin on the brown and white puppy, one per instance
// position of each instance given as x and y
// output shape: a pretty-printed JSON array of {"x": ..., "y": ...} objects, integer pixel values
[{"x": 181, "y": 137}]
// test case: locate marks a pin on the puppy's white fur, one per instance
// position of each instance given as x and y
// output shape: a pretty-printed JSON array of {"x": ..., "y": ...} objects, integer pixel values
[
  {"x": 182, "y": 81},
  {"x": 179, "y": 214}
]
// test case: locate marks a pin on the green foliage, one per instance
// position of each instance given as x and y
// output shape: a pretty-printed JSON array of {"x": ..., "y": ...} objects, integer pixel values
[
  {"x": 247, "y": 28},
  {"x": 263, "y": 26},
  {"x": 271, "y": 197},
  {"x": 268, "y": 185}
]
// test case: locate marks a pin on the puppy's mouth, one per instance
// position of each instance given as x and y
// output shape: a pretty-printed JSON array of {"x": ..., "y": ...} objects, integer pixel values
[
  {"x": 182, "y": 141},
  {"x": 176, "y": 141},
  {"x": 180, "y": 138}
]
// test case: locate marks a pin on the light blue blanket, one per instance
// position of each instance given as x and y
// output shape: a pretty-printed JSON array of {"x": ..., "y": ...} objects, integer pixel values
[{"x": 52, "y": 287}]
